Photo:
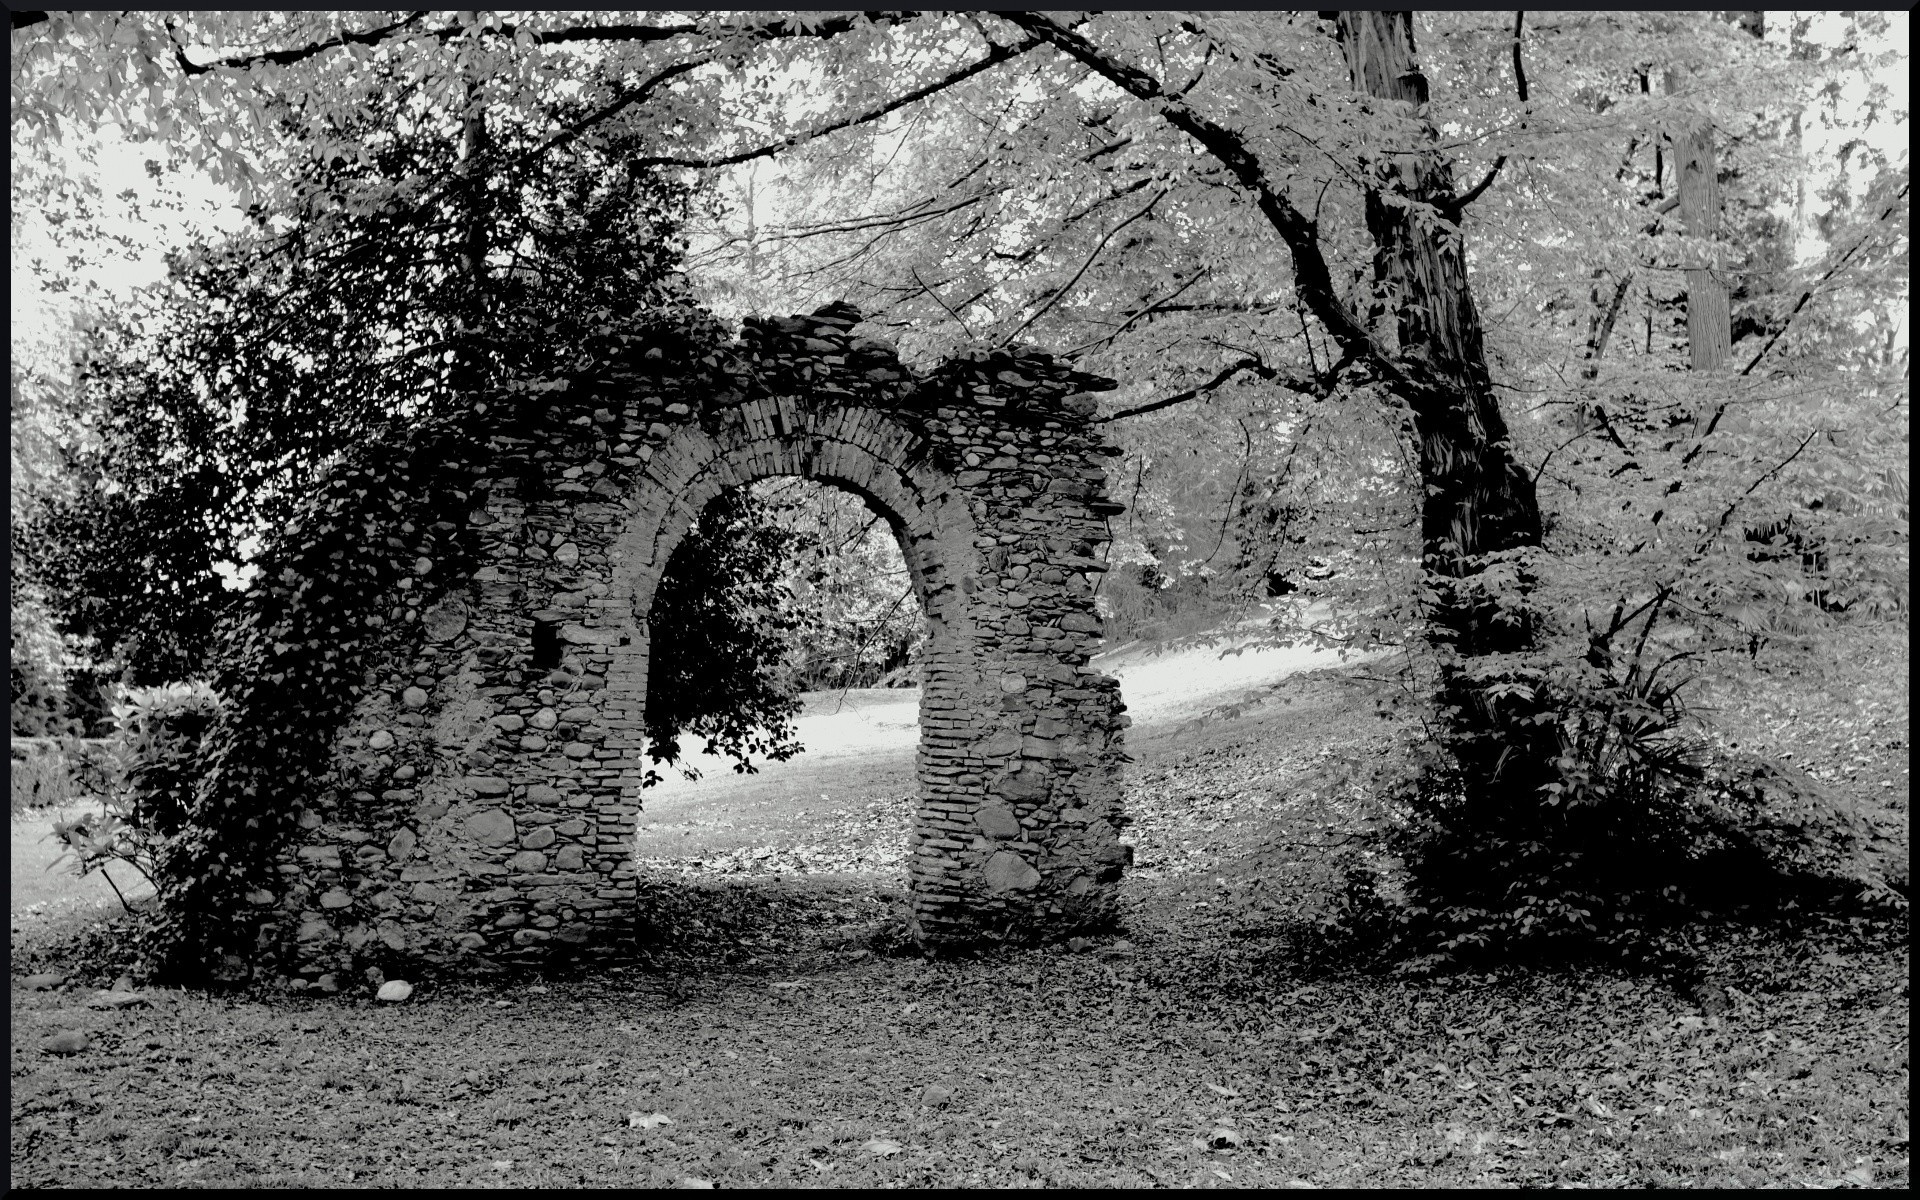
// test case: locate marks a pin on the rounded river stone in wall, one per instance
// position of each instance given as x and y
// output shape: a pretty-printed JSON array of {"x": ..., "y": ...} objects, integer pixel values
[
  {"x": 1008, "y": 872},
  {"x": 490, "y": 828},
  {"x": 1002, "y": 743},
  {"x": 997, "y": 820},
  {"x": 445, "y": 620},
  {"x": 539, "y": 839},
  {"x": 401, "y": 847}
]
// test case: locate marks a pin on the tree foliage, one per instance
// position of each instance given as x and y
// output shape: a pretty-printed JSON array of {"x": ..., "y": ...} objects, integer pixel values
[{"x": 1413, "y": 342}]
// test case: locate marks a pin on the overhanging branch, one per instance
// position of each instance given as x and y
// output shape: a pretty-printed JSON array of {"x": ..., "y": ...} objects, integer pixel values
[
  {"x": 1293, "y": 381},
  {"x": 1312, "y": 279},
  {"x": 571, "y": 34},
  {"x": 1065, "y": 287},
  {"x": 994, "y": 57}
]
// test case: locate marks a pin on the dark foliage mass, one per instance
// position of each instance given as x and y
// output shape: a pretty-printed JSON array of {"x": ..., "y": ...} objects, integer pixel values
[
  {"x": 405, "y": 279},
  {"x": 307, "y": 388},
  {"x": 723, "y": 621}
]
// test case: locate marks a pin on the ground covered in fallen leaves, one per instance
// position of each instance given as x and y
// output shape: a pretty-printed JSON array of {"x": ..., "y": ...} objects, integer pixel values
[{"x": 765, "y": 1036}]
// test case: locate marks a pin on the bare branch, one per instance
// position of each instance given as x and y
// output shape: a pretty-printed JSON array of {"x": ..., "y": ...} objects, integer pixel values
[
  {"x": 1143, "y": 311},
  {"x": 1598, "y": 346},
  {"x": 285, "y": 58},
  {"x": 1318, "y": 389},
  {"x": 1755, "y": 486},
  {"x": 1226, "y": 518},
  {"x": 994, "y": 57},
  {"x": 571, "y": 34},
  {"x": 626, "y": 99},
  {"x": 961, "y": 321},
  {"x": 1068, "y": 285}
]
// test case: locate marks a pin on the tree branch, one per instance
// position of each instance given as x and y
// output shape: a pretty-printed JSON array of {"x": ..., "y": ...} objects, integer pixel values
[
  {"x": 1828, "y": 274},
  {"x": 1065, "y": 287},
  {"x": 285, "y": 58},
  {"x": 1286, "y": 379},
  {"x": 994, "y": 57},
  {"x": 1598, "y": 346},
  {"x": 625, "y": 99},
  {"x": 1755, "y": 486},
  {"x": 1459, "y": 203},
  {"x": 1312, "y": 277},
  {"x": 915, "y": 271},
  {"x": 1143, "y": 311},
  {"x": 1246, "y": 463},
  {"x": 576, "y": 33}
]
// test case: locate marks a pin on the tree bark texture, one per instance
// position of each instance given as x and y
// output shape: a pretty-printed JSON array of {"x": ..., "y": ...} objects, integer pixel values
[
  {"x": 1697, "y": 180},
  {"x": 1478, "y": 499}
]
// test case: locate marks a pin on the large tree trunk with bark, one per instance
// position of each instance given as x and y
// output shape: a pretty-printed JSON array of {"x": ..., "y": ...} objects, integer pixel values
[
  {"x": 1478, "y": 500},
  {"x": 1709, "y": 316}
]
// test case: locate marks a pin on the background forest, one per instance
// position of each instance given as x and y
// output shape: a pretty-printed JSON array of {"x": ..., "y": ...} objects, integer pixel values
[
  {"x": 1548, "y": 372},
  {"x": 1563, "y": 354}
]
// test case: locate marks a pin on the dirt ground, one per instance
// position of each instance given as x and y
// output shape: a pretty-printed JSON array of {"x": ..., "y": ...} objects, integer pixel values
[
  {"x": 761, "y": 1041},
  {"x": 859, "y": 757}
]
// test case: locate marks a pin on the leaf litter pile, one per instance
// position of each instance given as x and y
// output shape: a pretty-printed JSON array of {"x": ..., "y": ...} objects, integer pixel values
[{"x": 768, "y": 1031}]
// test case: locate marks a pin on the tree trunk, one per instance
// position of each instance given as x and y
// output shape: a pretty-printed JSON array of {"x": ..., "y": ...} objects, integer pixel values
[
  {"x": 1478, "y": 500},
  {"x": 1709, "y": 316}
]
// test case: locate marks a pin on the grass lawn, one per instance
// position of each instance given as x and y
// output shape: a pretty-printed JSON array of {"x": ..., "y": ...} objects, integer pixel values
[{"x": 758, "y": 1040}]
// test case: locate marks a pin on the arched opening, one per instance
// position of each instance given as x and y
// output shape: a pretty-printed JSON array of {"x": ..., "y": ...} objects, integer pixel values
[{"x": 786, "y": 622}]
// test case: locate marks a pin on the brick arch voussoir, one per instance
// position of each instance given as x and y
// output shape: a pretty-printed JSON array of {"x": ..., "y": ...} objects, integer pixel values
[{"x": 862, "y": 452}]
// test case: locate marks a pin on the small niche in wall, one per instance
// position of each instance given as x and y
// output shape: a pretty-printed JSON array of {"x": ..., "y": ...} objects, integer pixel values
[{"x": 546, "y": 644}]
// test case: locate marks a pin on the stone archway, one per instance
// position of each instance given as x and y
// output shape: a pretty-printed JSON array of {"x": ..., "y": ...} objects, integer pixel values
[{"x": 515, "y": 736}]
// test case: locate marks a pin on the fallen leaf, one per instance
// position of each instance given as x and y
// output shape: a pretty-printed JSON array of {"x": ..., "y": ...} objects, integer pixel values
[{"x": 936, "y": 1094}]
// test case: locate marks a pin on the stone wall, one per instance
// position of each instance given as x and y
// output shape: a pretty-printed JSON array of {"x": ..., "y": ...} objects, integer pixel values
[{"x": 486, "y": 790}]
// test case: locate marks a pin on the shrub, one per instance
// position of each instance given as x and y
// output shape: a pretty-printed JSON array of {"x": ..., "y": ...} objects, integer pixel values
[
  {"x": 42, "y": 776},
  {"x": 153, "y": 768},
  {"x": 1648, "y": 822}
]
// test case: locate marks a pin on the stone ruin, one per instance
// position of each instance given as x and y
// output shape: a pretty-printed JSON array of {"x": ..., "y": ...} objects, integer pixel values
[{"x": 482, "y": 800}]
